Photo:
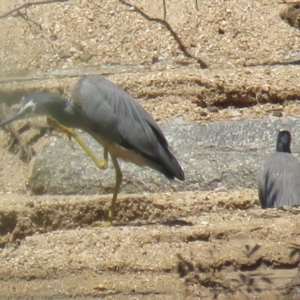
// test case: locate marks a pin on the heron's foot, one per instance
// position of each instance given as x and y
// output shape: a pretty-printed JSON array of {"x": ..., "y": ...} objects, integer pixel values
[
  {"x": 69, "y": 132},
  {"x": 107, "y": 224},
  {"x": 70, "y": 143},
  {"x": 103, "y": 224}
]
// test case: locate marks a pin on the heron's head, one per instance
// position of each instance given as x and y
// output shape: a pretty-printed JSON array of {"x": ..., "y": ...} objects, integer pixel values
[
  {"x": 284, "y": 140},
  {"x": 38, "y": 104}
]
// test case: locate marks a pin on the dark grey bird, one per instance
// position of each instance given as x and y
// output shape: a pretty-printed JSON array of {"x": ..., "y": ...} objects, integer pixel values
[
  {"x": 279, "y": 176},
  {"x": 114, "y": 119}
]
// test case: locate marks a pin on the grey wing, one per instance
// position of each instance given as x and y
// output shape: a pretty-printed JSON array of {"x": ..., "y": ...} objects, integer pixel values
[
  {"x": 279, "y": 181},
  {"x": 115, "y": 115}
]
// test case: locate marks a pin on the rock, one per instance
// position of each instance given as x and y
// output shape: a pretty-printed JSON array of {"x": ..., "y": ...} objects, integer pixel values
[
  {"x": 65, "y": 54},
  {"x": 86, "y": 56},
  {"x": 213, "y": 156}
]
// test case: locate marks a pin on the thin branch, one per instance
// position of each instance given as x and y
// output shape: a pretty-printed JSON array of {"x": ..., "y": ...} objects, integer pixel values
[
  {"x": 26, "y": 18},
  {"x": 287, "y": 2},
  {"x": 169, "y": 28},
  {"x": 165, "y": 10},
  {"x": 28, "y": 4}
]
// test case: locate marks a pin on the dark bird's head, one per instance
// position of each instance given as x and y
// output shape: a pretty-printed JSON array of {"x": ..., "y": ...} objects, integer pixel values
[
  {"x": 284, "y": 140},
  {"x": 39, "y": 104}
]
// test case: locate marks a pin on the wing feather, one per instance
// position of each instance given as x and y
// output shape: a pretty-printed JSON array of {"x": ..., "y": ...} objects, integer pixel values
[
  {"x": 115, "y": 115},
  {"x": 279, "y": 181}
]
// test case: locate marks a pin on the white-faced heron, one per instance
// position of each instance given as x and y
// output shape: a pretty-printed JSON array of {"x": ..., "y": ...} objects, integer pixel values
[
  {"x": 114, "y": 119},
  {"x": 279, "y": 176}
]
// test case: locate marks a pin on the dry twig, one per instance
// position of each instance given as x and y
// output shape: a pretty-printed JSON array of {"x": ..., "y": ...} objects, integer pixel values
[
  {"x": 287, "y": 2},
  {"x": 165, "y": 10},
  {"x": 169, "y": 28},
  {"x": 26, "y": 5}
]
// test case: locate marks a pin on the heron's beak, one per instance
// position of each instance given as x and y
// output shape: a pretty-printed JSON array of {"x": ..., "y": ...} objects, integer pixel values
[{"x": 19, "y": 115}]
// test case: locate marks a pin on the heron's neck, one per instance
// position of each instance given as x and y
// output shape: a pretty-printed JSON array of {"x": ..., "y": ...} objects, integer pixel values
[{"x": 281, "y": 147}]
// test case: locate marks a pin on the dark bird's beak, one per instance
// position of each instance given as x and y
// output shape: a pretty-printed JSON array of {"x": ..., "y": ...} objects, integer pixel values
[{"x": 18, "y": 116}]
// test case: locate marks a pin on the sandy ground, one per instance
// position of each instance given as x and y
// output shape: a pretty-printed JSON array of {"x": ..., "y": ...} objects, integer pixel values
[
  {"x": 215, "y": 244},
  {"x": 168, "y": 246}
]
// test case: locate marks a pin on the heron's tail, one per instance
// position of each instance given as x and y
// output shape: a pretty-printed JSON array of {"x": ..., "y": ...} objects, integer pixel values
[{"x": 169, "y": 166}]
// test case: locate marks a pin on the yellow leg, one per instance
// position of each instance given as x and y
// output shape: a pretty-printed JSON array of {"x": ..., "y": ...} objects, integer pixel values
[
  {"x": 112, "y": 207},
  {"x": 101, "y": 164}
]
